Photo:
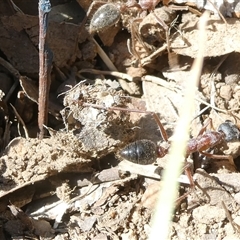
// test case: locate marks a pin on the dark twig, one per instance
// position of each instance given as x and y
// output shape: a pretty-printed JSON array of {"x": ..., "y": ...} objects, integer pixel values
[
  {"x": 21, "y": 121},
  {"x": 15, "y": 74},
  {"x": 45, "y": 64}
]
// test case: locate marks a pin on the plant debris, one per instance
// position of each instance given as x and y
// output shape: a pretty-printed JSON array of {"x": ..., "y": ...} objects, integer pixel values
[{"x": 73, "y": 183}]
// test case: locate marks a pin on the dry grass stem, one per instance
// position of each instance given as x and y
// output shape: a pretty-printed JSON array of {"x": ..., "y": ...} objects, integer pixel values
[{"x": 168, "y": 194}]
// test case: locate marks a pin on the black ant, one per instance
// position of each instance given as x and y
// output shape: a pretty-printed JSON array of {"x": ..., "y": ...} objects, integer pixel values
[{"x": 109, "y": 14}]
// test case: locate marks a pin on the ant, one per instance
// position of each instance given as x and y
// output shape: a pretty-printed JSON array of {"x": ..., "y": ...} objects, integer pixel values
[
  {"x": 110, "y": 13},
  {"x": 146, "y": 151}
]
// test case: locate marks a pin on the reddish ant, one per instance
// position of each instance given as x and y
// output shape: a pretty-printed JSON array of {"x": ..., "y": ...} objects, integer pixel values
[{"x": 146, "y": 151}]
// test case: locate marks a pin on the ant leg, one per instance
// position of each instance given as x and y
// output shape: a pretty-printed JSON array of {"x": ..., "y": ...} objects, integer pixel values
[
  {"x": 215, "y": 156},
  {"x": 185, "y": 8},
  {"x": 165, "y": 27},
  {"x": 135, "y": 35},
  {"x": 93, "y": 5},
  {"x": 162, "y": 129},
  {"x": 203, "y": 129},
  {"x": 172, "y": 57},
  {"x": 154, "y": 115},
  {"x": 188, "y": 172}
]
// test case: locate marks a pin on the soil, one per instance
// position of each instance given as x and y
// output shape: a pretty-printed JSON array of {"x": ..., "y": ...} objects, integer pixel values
[{"x": 73, "y": 183}]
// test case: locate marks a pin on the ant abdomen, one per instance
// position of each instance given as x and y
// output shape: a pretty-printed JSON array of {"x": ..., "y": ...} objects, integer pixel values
[
  {"x": 105, "y": 17},
  {"x": 141, "y": 152}
]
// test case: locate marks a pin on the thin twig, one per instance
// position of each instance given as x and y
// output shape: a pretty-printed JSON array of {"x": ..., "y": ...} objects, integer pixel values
[
  {"x": 235, "y": 226},
  {"x": 220, "y": 14},
  {"x": 10, "y": 68},
  {"x": 45, "y": 64},
  {"x": 15, "y": 74},
  {"x": 21, "y": 120},
  {"x": 154, "y": 55},
  {"x": 112, "y": 73},
  {"x": 16, "y": 7},
  {"x": 179, "y": 90},
  {"x": 111, "y": 66}
]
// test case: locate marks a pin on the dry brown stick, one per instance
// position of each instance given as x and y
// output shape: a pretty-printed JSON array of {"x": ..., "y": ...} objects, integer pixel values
[{"x": 45, "y": 63}]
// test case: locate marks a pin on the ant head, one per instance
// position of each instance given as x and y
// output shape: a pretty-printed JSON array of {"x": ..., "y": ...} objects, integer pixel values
[{"x": 230, "y": 130}]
